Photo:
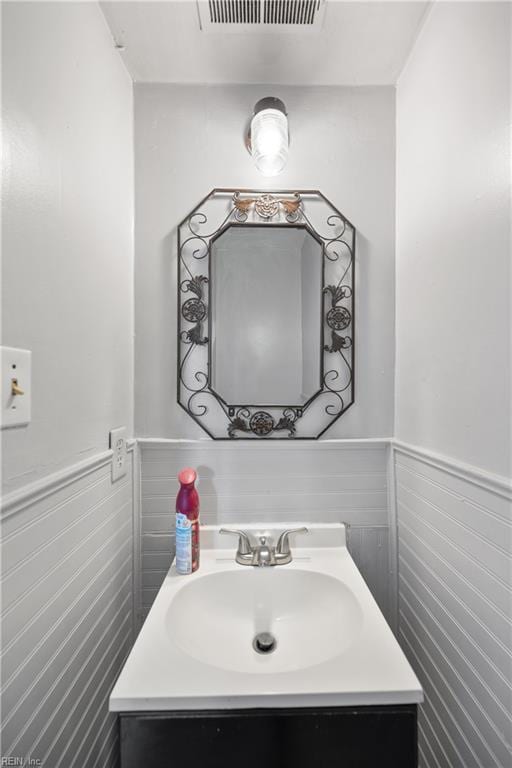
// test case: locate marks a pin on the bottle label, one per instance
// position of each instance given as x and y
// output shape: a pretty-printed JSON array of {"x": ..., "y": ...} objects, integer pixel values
[{"x": 183, "y": 544}]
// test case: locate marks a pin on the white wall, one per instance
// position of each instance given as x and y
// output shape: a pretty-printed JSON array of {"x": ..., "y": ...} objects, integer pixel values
[
  {"x": 67, "y": 616},
  {"x": 67, "y": 231},
  {"x": 190, "y": 139},
  {"x": 453, "y": 381},
  {"x": 455, "y": 595},
  {"x": 453, "y": 321}
]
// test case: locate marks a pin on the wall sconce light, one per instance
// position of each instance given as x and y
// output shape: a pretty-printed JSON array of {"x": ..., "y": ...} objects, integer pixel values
[{"x": 268, "y": 136}]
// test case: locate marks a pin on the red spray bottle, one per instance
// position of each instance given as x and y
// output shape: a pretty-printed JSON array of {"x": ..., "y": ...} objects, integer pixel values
[{"x": 187, "y": 523}]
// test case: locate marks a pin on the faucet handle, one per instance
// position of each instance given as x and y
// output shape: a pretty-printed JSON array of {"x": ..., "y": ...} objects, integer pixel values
[
  {"x": 283, "y": 544},
  {"x": 244, "y": 544}
]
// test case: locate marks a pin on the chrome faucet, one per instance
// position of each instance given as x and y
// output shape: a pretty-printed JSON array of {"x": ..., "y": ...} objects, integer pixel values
[{"x": 263, "y": 554}]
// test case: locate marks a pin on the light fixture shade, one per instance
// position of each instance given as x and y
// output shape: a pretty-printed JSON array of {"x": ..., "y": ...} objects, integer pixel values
[{"x": 269, "y": 136}]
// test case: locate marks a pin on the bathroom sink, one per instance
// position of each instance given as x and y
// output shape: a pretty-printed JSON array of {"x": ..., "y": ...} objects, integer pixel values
[
  {"x": 312, "y": 617},
  {"x": 231, "y": 636}
]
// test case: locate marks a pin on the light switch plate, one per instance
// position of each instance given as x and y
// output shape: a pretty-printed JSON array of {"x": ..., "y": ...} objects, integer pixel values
[
  {"x": 15, "y": 366},
  {"x": 119, "y": 457}
]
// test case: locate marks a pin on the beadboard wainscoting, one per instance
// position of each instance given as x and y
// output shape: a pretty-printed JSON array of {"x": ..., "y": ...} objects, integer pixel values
[
  {"x": 455, "y": 567},
  {"x": 325, "y": 481},
  {"x": 67, "y": 614}
]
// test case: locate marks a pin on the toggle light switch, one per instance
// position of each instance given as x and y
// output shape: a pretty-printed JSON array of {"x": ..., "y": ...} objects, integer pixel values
[{"x": 16, "y": 386}]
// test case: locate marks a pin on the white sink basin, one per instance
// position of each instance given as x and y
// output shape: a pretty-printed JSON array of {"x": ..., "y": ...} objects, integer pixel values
[
  {"x": 333, "y": 646},
  {"x": 313, "y": 617}
]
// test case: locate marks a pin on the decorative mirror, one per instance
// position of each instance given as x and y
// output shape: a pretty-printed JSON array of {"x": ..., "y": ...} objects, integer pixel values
[{"x": 265, "y": 314}]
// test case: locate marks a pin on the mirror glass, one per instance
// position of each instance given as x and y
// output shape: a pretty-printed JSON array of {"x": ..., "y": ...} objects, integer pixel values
[{"x": 266, "y": 315}]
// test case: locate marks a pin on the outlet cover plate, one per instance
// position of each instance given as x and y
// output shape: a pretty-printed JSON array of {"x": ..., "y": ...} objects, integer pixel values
[
  {"x": 119, "y": 456},
  {"x": 16, "y": 365}
]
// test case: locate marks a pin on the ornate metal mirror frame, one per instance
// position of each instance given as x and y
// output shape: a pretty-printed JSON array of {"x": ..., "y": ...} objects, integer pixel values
[{"x": 218, "y": 211}]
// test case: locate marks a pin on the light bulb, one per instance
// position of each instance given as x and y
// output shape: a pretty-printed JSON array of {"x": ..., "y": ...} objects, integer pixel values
[{"x": 269, "y": 136}]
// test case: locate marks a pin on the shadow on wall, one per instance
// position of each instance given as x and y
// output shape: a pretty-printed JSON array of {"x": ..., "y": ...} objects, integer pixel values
[{"x": 208, "y": 494}]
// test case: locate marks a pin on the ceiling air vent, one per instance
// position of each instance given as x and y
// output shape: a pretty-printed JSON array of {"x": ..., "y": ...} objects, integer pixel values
[{"x": 261, "y": 15}]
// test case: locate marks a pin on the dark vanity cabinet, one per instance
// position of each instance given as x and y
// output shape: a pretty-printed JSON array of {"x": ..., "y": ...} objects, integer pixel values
[{"x": 337, "y": 737}]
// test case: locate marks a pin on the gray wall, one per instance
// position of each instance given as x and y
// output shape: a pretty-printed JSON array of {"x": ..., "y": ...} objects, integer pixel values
[
  {"x": 453, "y": 322},
  {"x": 190, "y": 139},
  {"x": 453, "y": 381},
  {"x": 67, "y": 232},
  {"x": 67, "y": 295}
]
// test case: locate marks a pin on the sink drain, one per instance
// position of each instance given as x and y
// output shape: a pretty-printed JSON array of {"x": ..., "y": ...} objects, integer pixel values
[{"x": 264, "y": 642}]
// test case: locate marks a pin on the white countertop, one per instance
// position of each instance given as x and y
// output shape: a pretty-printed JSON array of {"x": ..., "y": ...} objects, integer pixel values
[{"x": 369, "y": 669}]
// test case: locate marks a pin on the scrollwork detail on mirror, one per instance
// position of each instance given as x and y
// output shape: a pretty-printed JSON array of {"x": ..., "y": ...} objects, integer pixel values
[
  {"x": 266, "y": 206},
  {"x": 262, "y": 423},
  {"x": 304, "y": 211}
]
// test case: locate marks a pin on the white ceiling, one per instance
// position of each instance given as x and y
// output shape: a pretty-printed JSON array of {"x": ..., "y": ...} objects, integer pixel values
[{"x": 361, "y": 43}]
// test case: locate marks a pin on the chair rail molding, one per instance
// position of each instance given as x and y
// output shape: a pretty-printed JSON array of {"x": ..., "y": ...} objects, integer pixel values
[
  {"x": 498, "y": 484},
  {"x": 13, "y": 501}
]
